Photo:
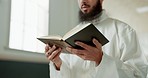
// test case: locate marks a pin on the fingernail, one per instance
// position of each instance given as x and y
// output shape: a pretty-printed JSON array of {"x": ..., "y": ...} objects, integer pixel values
[
  {"x": 76, "y": 43},
  {"x": 94, "y": 40}
]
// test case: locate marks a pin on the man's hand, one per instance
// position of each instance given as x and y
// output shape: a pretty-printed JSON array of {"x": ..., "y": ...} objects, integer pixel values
[
  {"x": 89, "y": 53},
  {"x": 52, "y": 53}
]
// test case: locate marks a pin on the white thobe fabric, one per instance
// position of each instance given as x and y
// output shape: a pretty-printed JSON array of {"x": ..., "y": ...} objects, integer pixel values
[{"x": 122, "y": 56}]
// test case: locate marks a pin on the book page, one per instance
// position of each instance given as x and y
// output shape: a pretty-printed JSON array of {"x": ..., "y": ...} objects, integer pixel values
[
  {"x": 54, "y": 40},
  {"x": 53, "y": 37}
]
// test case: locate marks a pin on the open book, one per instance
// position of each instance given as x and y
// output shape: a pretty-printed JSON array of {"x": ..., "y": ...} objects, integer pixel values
[{"x": 84, "y": 33}]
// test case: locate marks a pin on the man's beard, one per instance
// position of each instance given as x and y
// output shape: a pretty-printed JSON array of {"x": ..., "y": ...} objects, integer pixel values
[{"x": 91, "y": 15}]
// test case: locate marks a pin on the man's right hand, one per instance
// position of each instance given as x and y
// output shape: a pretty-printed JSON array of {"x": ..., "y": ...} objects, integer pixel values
[{"x": 52, "y": 53}]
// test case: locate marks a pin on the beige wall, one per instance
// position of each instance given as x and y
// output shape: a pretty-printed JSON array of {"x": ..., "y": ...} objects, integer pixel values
[
  {"x": 126, "y": 10},
  {"x": 63, "y": 16}
]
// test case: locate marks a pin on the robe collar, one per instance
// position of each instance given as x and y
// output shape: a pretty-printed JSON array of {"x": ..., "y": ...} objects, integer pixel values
[{"x": 98, "y": 18}]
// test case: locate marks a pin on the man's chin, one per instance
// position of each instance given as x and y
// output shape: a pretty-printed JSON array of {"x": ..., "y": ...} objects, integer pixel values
[
  {"x": 88, "y": 14},
  {"x": 86, "y": 11}
]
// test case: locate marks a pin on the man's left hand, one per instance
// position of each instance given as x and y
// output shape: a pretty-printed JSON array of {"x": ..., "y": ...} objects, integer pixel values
[{"x": 89, "y": 52}]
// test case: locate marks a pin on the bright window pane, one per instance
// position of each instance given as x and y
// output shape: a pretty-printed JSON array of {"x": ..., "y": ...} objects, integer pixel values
[{"x": 29, "y": 19}]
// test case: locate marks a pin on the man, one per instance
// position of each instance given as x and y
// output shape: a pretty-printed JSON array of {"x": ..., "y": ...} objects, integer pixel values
[{"x": 120, "y": 58}]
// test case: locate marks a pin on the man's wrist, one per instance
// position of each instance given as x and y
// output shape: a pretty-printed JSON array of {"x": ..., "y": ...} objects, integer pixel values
[
  {"x": 100, "y": 59},
  {"x": 58, "y": 65}
]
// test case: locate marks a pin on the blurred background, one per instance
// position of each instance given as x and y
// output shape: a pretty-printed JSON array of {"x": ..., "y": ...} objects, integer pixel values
[{"x": 21, "y": 21}]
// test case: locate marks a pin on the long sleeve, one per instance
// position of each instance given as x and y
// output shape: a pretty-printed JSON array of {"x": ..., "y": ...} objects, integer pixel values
[
  {"x": 64, "y": 71},
  {"x": 126, "y": 59},
  {"x": 111, "y": 67}
]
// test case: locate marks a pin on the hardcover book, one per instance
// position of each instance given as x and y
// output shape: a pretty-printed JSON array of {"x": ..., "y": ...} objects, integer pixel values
[{"x": 83, "y": 33}]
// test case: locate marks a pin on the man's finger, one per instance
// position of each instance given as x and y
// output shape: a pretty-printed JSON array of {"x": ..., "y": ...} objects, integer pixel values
[
  {"x": 47, "y": 54},
  {"x": 75, "y": 51},
  {"x": 51, "y": 49},
  {"x": 83, "y": 45},
  {"x": 84, "y": 57},
  {"x": 96, "y": 42},
  {"x": 54, "y": 53},
  {"x": 47, "y": 47}
]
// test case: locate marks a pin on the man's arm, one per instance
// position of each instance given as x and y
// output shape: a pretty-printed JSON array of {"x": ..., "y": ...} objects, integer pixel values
[
  {"x": 58, "y": 68},
  {"x": 127, "y": 61},
  {"x": 130, "y": 63}
]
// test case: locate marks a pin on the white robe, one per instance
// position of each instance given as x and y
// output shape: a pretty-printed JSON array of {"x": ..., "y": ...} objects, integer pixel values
[{"x": 122, "y": 56}]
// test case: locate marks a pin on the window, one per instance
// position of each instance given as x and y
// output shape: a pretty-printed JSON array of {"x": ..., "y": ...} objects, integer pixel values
[{"x": 29, "y": 19}]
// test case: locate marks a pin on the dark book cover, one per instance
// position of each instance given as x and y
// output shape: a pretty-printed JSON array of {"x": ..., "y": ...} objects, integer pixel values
[{"x": 86, "y": 35}]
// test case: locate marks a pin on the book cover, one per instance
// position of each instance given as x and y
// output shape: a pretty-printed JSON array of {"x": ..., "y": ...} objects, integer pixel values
[{"x": 84, "y": 34}]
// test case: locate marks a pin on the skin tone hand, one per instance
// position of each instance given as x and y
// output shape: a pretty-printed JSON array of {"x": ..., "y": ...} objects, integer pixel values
[
  {"x": 89, "y": 53},
  {"x": 52, "y": 53}
]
